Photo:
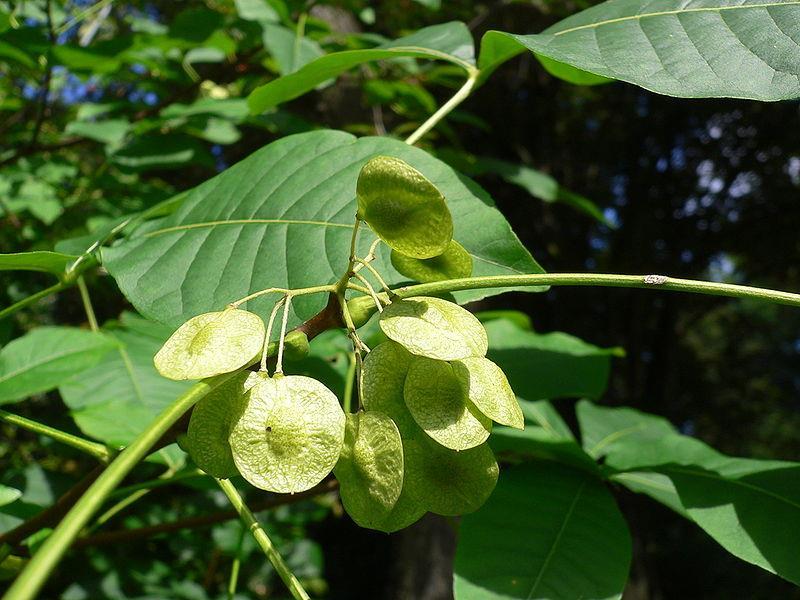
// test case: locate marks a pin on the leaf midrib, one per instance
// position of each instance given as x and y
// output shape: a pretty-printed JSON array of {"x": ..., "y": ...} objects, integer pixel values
[
  {"x": 50, "y": 358},
  {"x": 667, "y": 13},
  {"x": 559, "y": 535}
]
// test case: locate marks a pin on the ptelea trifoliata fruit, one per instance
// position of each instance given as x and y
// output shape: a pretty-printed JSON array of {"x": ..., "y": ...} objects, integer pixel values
[
  {"x": 406, "y": 210},
  {"x": 382, "y": 381},
  {"x": 210, "y": 425},
  {"x": 434, "y": 328},
  {"x": 290, "y": 434},
  {"x": 447, "y": 482},
  {"x": 370, "y": 468},
  {"x": 211, "y": 344},
  {"x": 453, "y": 263},
  {"x": 439, "y": 406},
  {"x": 485, "y": 384}
]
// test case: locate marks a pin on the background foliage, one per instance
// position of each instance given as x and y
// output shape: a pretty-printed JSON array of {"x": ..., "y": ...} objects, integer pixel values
[{"x": 111, "y": 109}]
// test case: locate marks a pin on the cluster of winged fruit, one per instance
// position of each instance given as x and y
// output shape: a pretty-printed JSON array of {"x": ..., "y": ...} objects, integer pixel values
[{"x": 428, "y": 393}]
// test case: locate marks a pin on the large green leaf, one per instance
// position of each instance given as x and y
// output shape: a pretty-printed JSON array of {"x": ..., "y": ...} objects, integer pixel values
[
  {"x": 750, "y": 507},
  {"x": 550, "y": 365},
  {"x": 283, "y": 217},
  {"x": 699, "y": 49},
  {"x": 451, "y": 42},
  {"x": 548, "y": 532},
  {"x": 117, "y": 398},
  {"x": 45, "y": 357},
  {"x": 40, "y": 260}
]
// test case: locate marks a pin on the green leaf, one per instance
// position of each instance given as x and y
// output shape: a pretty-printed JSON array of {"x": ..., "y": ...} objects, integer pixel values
[
  {"x": 229, "y": 239},
  {"x": 711, "y": 48},
  {"x": 547, "y": 532},
  {"x": 550, "y": 365},
  {"x": 45, "y": 357},
  {"x": 545, "y": 415},
  {"x": 539, "y": 185},
  {"x": 290, "y": 51},
  {"x": 406, "y": 210},
  {"x": 8, "y": 494},
  {"x": 160, "y": 152},
  {"x": 606, "y": 430},
  {"x": 47, "y": 262},
  {"x": 117, "y": 398},
  {"x": 750, "y": 507},
  {"x": 111, "y": 132},
  {"x": 451, "y": 42},
  {"x": 569, "y": 73},
  {"x": 513, "y": 445},
  {"x": 256, "y": 10}
]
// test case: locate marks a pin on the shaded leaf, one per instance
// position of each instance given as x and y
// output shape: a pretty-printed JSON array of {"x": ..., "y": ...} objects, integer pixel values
[
  {"x": 547, "y": 532},
  {"x": 290, "y": 51},
  {"x": 124, "y": 382},
  {"x": 41, "y": 260},
  {"x": 45, "y": 357},
  {"x": 550, "y": 365},
  {"x": 750, "y": 507},
  {"x": 450, "y": 42}
]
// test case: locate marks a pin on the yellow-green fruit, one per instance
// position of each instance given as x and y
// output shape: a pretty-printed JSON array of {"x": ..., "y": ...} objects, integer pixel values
[
  {"x": 211, "y": 423},
  {"x": 370, "y": 468},
  {"x": 446, "y": 482},
  {"x": 403, "y": 207},
  {"x": 434, "y": 328},
  {"x": 289, "y": 435},
  {"x": 439, "y": 406},
  {"x": 487, "y": 387},
  {"x": 453, "y": 263},
  {"x": 211, "y": 344}
]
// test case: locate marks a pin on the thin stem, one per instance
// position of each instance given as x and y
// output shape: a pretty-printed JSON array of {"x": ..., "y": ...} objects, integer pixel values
[
  {"x": 32, "y": 578},
  {"x": 349, "y": 383},
  {"x": 461, "y": 95},
  {"x": 282, "y": 339},
  {"x": 271, "y": 290},
  {"x": 370, "y": 291},
  {"x": 99, "y": 451},
  {"x": 270, "y": 323},
  {"x": 87, "y": 304},
  {"x": 152, "y": 484},
  {"x": 262, "y": 539},
  {"x": 376, "y": 274},
  {"x": 233, "y": 582},
  {"x": 653, "y": 282},
  {"x": 84, "y": 14},
  {"x": 129, "y": 499},
  {"x": 33, "y": 298},
  {"x": 370, "y": 255}
]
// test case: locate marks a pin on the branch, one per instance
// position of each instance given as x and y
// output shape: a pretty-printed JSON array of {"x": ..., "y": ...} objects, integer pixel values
[
  {"x": 602, "y": 280},
  {"x": 142, "y": 533}
]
